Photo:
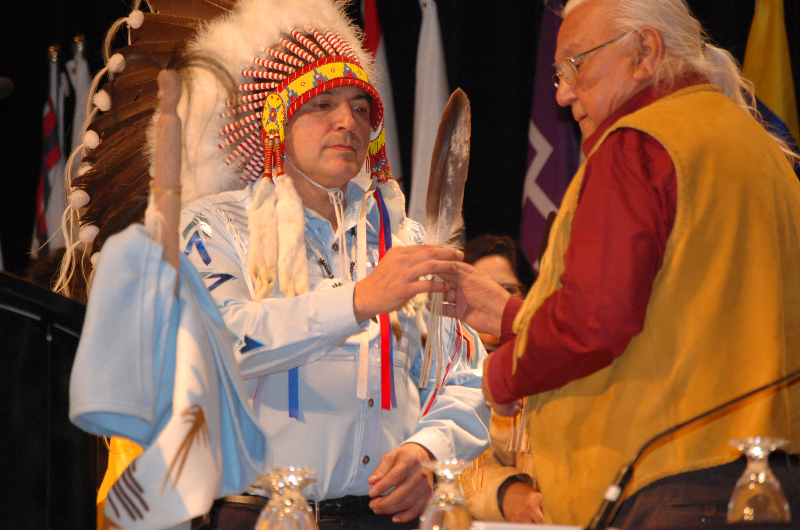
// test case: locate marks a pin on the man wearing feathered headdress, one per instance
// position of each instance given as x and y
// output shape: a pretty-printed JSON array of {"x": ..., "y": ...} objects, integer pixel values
[{"x": 300, "y": 233}]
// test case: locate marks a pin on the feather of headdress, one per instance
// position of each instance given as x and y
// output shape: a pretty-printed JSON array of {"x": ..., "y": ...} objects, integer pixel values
[
  {"x": 164, "y": 28},
  {"x": 445, "y": 225},
  {"x": 116, "y": 181},
  {"x": 124, "y": 116},
  {"x": 201, "y": 9},
  {"x": 122, "y": 94}
]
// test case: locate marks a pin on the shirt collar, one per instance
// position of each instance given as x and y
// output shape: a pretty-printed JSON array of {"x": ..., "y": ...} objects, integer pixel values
[
  {"x": 355, "y": 191},
  {"x": 640, "y": 100}
]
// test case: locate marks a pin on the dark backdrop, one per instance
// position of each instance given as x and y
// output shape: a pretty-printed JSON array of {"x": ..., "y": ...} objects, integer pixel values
[{"x": 490, "y": 48}]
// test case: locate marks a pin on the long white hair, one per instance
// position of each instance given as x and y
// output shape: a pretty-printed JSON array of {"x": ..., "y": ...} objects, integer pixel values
[{"x": 688, "y": 49}]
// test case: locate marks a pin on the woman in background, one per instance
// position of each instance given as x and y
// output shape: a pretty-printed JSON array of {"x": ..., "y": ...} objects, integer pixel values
[
  {"x": 502, "y": 259},
  {"x": 500, "y": 484}
]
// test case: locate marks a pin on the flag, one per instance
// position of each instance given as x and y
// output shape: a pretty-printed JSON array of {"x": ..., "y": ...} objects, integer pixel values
[
  {"x": 50, "y": 191},
  {"x": 554, "y": 151},
  {"x": 373, "y": 41},
  {"x": 430, "y": 98},
  {"x": 80, "y": 78},
  {"x": 768, "y": 65}
]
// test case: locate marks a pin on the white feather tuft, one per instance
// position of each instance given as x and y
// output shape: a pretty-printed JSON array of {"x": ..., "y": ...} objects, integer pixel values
[
  {"x": 135, "y": 19},
  {"x": 116, "y": 63},
  {"x": 88, "y": 233},
  {"x": 78, "y": 199},
  {"x": 102, "y": 100},
  {"x": 90, "y": 139}
]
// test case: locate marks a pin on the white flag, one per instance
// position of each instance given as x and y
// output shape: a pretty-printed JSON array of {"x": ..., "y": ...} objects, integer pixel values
[
  {"x": 79, "y": 76},
  {"x": 430, "y": 99}
]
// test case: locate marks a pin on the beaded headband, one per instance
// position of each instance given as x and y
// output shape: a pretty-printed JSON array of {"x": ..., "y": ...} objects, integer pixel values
[{"x": 306, "y": 66}]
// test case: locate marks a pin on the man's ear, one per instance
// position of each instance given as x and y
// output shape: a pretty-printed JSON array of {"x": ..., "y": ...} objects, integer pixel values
[{"x": 650, "y": 53}]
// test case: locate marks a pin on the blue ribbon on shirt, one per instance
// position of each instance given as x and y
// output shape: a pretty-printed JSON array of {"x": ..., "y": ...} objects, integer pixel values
[{"x": 294, "y": 393}]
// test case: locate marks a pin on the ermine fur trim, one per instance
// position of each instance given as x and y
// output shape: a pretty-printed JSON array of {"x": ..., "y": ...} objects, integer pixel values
[
  {"x": 262, "y": 261},
  {"x": 396, "y": 207},
  {"x": 292, "y": 262}
]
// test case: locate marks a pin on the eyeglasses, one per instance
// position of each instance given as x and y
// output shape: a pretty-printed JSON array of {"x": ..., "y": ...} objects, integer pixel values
[
  {"x": 567, "y": 69},
  {"x": 514, "y": 289}
]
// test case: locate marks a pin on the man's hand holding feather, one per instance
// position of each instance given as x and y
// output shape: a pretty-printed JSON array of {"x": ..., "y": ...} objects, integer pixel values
[{"x": 397, "y": 278}]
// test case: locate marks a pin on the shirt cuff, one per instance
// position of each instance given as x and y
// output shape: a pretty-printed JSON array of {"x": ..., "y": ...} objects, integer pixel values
[
  {"x": 336, "y": 314},
  {"x": 434, "y": 443},
  {"x": 500, "y": 362},
  {"x": 513, "y": 307}
]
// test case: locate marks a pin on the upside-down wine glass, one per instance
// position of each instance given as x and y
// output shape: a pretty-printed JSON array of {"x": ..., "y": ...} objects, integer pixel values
[
  {"x": 758, "y": 496},
  {"x": 287, "y": 509},
  {"x": 446, "y": 509}
]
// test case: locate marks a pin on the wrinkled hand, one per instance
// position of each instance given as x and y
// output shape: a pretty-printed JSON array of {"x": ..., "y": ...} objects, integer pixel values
[
  {"x": 522, "y": 504},
  {"x": 475, "y": 298},
  {"x": 396, "y": 278},
  {"x": 502, "y": 409},
  {"x": 402, "y": 470}
]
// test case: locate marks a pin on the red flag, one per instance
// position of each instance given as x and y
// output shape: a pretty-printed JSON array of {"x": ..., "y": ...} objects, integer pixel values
[
  {"x": 50, "y": 192},
  {"x": 373, "y": 41}
]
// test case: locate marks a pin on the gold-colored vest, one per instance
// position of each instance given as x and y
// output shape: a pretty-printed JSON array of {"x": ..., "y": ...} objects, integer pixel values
[{"x": 723, "y": 317}]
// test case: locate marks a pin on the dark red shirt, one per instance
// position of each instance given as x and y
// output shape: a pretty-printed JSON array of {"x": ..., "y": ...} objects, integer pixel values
[{"x": 625, "y": 214}]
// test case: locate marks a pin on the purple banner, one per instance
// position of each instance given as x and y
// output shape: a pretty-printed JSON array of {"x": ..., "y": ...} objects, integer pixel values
[{"x": 553, "y": 153}]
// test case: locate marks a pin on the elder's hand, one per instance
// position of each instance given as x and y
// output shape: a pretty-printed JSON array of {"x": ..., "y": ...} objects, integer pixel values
[
  {"x": 396, "y": 278},
  {"x": 475, "y": 298},
  {"x": 402, "y": 470},
  {"x": 522, "y": 504}
]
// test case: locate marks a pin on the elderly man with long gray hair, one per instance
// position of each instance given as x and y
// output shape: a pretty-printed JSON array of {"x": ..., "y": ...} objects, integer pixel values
[{"x": 669, "y": 285}]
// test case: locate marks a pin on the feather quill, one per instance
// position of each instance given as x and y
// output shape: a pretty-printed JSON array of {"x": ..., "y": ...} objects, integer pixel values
[{"x": 445, "y": 225}]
